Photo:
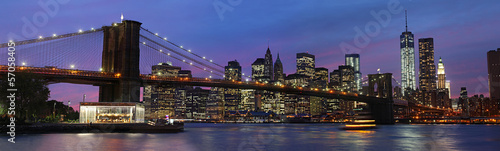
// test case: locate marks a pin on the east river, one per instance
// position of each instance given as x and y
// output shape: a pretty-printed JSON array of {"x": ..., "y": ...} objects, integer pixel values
[{"x": 253, "y": 137}]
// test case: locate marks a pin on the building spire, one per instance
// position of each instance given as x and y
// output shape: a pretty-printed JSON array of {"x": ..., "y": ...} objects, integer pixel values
[
  {"x": 268, "y": 51},
  {"x": 406, "y": 21}
]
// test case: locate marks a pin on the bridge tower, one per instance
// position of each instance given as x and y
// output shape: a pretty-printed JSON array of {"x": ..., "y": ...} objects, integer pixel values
[
  {"x": 382, "y": 111},
  {"x": 120, "y": 55}
]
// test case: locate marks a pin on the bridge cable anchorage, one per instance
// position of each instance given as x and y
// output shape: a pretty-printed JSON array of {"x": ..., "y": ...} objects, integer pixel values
[
  {"x": 187, "y": 57},
  {"x": 53, "y": 37},
  {"x": 180, "y": 59},
  {"x": 178, "y": 46}
]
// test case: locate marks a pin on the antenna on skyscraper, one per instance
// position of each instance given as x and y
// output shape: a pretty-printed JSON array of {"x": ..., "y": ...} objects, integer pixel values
[{"x": 406, "y": 21}]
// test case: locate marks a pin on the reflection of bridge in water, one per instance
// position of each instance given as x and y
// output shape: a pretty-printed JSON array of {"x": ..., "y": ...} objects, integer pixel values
[{"x": 119, "y": 77}]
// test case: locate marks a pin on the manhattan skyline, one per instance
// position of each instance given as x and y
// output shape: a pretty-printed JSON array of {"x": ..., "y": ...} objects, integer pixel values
[{"x": 462, "y": 32}]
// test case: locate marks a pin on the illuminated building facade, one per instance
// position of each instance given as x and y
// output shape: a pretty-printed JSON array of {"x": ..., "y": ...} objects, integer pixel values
[
  {"x": 334, "y": 80},
  {"x": 165, "y": 70},
  {"x": 408, "y": 82},
  {"x": 463, "y": 102},
  {"x": 347, "y": 77},
  {"x": 320, "y": 79},
  {"x": 111, "y": 112},
  {"x": 427, "y": 74},
  {"x": 160, "y": 100},
  {"x": 297, "y": 104},
  {"x": 215, "y": 104},
  {"x": 353, "y": 61},
  {"x": 306, "y": 64},
  {"x": 448, "y": 86},
  {"x": 180, "y": 103},
  {"x": 232, "y": 71},
  {"x": 247, "y": 100},
  {"x": 441, "y": 75},
  {"x": 427, "y": 71},
  {"x": 232, "y": 97},
  {"x": 196, "y": 103},
  {"x": 258, "y": 70}
]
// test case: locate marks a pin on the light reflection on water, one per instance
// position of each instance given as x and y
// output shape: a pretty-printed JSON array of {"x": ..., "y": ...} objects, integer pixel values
[{"x": 204, "y": 136}]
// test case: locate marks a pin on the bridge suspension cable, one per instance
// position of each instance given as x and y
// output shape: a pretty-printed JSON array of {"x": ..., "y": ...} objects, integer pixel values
[
  {"x": 179, "y": 59},
  {"x": 180, "y": 54},
  {"x": 53, "y": 37},
  {"x": 181, "y": 47},
  {"x": 186, "y": 50}
]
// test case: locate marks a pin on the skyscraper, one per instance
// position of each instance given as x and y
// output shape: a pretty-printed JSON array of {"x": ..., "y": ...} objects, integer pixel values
[
  {"x": 232, "y": 71},
  {"x": 232, "y": 97},
  {"x": 427, "y": 74},
  {"x": 463, "y": 101},
  {"x": 494, "y": 74},
  {"x": 407, "y": 61},
  {"x": 268, "y": 64},
  {"x": 320, "y": 79},
  {"x": 347, "y": 82},
  {"x": 258, "y": 70},
  {"x": 278, "y": 70},
  {"x": 159, "y": 99},
  {"x": 306, "y": 64},
  {"x": 334, "y": 80},
  {"x": 448, "y": 86},
  {"x": 442, "y": 82},
  {"x": 353, "y": 61},
  {"x": 441, "y": 75}
]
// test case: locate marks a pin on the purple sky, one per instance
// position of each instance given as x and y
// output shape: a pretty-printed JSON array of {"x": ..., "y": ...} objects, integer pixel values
[{"x": 463, "y": 32}]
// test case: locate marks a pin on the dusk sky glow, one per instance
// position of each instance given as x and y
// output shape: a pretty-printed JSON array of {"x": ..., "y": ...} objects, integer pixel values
[{"x": 463, "y": 32}]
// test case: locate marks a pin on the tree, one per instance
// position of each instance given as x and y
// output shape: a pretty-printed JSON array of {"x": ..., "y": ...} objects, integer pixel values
[{"x": 32, "y": 92}]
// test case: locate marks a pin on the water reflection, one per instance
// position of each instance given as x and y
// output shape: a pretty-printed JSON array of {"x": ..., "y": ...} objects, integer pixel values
[{"x": 274, "y": 137}]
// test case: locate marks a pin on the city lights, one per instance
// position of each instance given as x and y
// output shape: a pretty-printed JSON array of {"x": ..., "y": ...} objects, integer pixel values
[{"x": 360, "y": 88}]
